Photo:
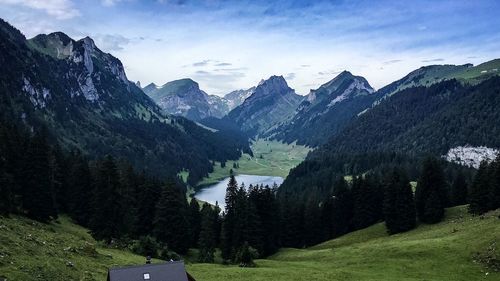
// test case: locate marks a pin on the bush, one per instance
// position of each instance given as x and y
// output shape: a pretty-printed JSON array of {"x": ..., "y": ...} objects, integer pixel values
[
  {"x": 169, "y": 255},
  {"x": 246, "y": 254},
  {"x": 146, "y": 246}
]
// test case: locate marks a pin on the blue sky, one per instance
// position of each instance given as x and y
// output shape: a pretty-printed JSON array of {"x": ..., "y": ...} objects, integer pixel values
[{"x": 230, "y": 44}]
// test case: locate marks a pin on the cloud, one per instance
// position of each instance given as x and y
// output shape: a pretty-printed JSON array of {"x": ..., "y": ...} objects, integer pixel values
[
  {"x": 290, "y": 76},
  {"x": 305, "y": 65},
  {"x": 109, "y": 3},
  {"x": 110, "y": 42},
  {"x": 60, "y": 9},
  {"x": 201, "y": 63},
  {"x": 391, "y": 62},
  {"x": 224, "y": 64},
  {"x": 222, "y": 80},
  {"x": 433, "y": 60}
]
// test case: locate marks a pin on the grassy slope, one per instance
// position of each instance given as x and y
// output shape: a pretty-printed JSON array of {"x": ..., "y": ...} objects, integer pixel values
[
  {"x": 34, "y": 251},
  {"x": 430, "y": 252},
  {"x": 277, "y": 160}
]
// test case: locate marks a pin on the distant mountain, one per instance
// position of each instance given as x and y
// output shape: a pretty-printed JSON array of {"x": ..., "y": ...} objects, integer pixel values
[
  {"x": 82, "y": 97},
  {"x": 326, "y": 110},
  {"x": 271, "y": 103},
  {"x": 432, "y": 74},
  {"x": 235, "y": 98},
  {"x": 405, "y": 127},
  {"x": 185, "y": 98}
]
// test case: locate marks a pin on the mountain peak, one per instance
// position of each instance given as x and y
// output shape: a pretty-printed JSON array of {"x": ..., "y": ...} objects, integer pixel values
[{"x": 274, "y": 85}]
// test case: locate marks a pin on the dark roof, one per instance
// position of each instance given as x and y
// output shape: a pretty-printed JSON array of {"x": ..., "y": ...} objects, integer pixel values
[{"x": 170, "y": 271}]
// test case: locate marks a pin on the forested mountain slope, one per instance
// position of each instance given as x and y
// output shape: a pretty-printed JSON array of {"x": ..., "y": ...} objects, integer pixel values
[
  {"x": 84, "y": 99},
  {"x": 326, "y": 110},
  {"x": 401, "y": 130}
]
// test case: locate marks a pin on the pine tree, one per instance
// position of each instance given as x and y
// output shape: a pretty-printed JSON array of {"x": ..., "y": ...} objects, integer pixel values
[
  {"x": 312, "y": 222},
  {"x": 479, "y": 198},
  {"x": 171, "y": 220},
  {"x": 431, "y": 181},
  {"x": 342, "y": 208},
  {"x": 433, "y": 209},
  {"x": 495, "y": 185},
  {"x": 230, "y": 218},
  {"x": 38, "y": 197},
  {"x": 459, "y": 189},
  {"x": 106, "y": 217},
  {"x": 148, "y": 193},
  {"x": 128, "y": 201},
  {"x": 207, "y": 241},
  {"x": 399, "y": 205},
  {"x": 195, "y": 218},
  {"x": 6, "y": 192},
  {"x": 80, "y": 190}
]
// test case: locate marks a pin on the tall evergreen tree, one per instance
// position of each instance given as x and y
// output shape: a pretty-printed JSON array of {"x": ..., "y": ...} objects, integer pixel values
[
  {"x": 79, "y": 190},
  {"x": 128, "y": 202},
  {"x": 312, "y": 222},
  {"x": 195, "y": 218},
  {"x": 342, "y": 208},
  {"x": 230, "y": 218},
  {"x": 106, "y": 217},
  {"x": 207, "y": 241},
  {"x": 431, "y": 181},
  {"x": 399, "y": 205},
  {"x": 495, "y": 184},
  {"x": 171, "y": 220},
  {"x": 459, "y": 189},
  {"x": 38, "y": 196},
  {"x": 148, "y": 193},
  {"x": 479, "y": 198}
]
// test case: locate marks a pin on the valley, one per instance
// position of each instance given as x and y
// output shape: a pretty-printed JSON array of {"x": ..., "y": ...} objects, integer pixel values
[
  {"x": 246, "y": 158},
  {"x": 270, "y": 158}
]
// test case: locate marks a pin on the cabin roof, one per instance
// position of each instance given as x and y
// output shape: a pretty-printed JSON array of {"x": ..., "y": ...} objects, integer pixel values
[{"x": 170, "y": 271}]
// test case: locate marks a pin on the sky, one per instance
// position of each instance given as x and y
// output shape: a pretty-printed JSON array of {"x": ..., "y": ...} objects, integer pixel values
[{"x": 226, "y": 45}]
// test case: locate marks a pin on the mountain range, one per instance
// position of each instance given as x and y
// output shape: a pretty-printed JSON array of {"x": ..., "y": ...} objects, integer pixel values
[
  {"x": 185, "y": 98},
  {"x": 83, "y": 100}
]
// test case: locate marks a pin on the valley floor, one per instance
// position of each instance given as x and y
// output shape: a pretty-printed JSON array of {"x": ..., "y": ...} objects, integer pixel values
[
  {"x": 445, "y": 251},
  {"x": 271, "y": 158}
]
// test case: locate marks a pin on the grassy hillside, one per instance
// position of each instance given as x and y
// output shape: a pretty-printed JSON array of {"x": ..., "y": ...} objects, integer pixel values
[
  {"x": 444, "y": 251},
  {"x": 277, "y": 160},
  {"x": 58, "y": 251}
]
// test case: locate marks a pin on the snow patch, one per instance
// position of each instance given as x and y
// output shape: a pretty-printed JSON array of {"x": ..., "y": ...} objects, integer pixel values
[{"x": 471, "y": 156}]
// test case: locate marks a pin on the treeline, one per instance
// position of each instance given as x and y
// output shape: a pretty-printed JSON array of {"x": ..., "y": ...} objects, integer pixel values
[{"x": 107, "y": 196}]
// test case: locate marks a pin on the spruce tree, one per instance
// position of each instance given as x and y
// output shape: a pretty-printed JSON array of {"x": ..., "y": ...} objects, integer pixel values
[
  {"x": 207, "y": 240},
  {"x": 106, "y": 217},
  {"x": 312, "y": 222},
  {"x": 495, "y": 185},
  {"x": 459, "y": 189},
  {"x": 431, "y": 181},
  {"x": 195, "y": 218},
  {"x": 342, "y": 208},
  {"x": 38, "y": 196},
  {"x": 479, "y": 198},
  {"x": 399, "y": 205},
  {"x": 171, "y": 220},
  {"x": 148, "y": 193},
  {"x": 79, "y": 190},
  {"x": 128, "y": 200},
  {"x": 230, "y": 218}
]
